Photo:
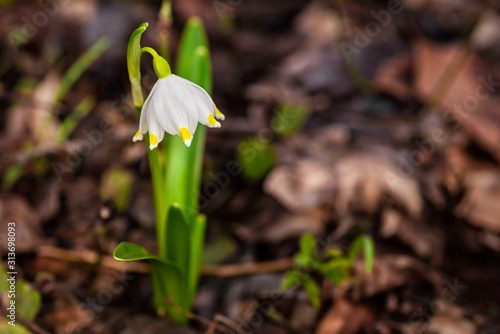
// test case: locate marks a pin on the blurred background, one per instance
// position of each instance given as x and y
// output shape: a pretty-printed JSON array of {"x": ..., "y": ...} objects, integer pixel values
[{"x": 342, "y": 118}]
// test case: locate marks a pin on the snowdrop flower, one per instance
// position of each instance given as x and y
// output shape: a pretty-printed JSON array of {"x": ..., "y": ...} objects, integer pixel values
[{"x": 176, "y": 106}]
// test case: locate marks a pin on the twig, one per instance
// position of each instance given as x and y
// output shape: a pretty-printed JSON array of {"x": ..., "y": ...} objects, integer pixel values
[
  {"x": 210, "y": 324},
  {"x": 93, "y": 258},
  {"x": 229, "y": 323},
  {"x": 248, "y": 268}
]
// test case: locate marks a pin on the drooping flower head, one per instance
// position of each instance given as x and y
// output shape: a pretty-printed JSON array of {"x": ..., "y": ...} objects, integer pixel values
[{"x": 176, "y": 106}]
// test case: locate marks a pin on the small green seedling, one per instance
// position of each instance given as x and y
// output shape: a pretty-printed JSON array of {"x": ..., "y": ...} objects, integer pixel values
[{"x": 331, "y": 263}]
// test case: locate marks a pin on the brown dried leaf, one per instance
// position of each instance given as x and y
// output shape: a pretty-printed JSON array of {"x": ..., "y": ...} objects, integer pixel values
[
  {"x": 363, "y": 179},
  {"x": 425, "y": 241},
  {"x": 442, "y": 324},
  {"x": 481, "y": 203},
  {"x": 468, "y": 103},
  {"x": 27, "y": 224},
  {"x": 345, "y": 317}
]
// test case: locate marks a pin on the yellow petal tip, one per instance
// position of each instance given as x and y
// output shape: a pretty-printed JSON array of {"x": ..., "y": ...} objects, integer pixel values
[
  {"x": 137, "y": 136},
  {"x": 211, "y": 120},
  {"x": 153, "y": 140},
  {"x": 218, "y": 114},
  {"x": 186, "y": 136}
]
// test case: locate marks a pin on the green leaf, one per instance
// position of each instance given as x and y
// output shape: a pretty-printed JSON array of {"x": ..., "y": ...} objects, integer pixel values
[
  {"x": 80, "y": 66},
  {"x": 331, "y": 252},
  {"x": 294, "y": 278},
  {"x": 337, "y": 270},
  {"x": 291, "y": 279},
  {"x": 307, "y": 245},
  {"x": 178, "y": 239},
  {"x": 28, "y": 300},
  {"x": 117, "y": 185},
  {"x": 5, "y": 328},
  {"x": 312, "y": 290},
  {"x": 366, "y": 243},
  {"x": 183, "y": 164},
  {"x": 134, "y": 64},
  {"x": 168, "y": 281},
  {"x": 193, "y": 36},
  {"x": 197, "y": 239},
  {"x": 69, "y": 124},
  {"x": 201, "y": 69},
  {"x": 128, "y": 251},
  {"x": 12, "y": 175},
  {"x": 288, "y": 120},
  {"x": 305, "y": 258},
  {"x": 256, "y": 157}
]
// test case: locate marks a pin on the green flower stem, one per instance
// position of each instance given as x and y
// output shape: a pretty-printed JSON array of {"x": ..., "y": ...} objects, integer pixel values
[{"x": 160, "y": 64}]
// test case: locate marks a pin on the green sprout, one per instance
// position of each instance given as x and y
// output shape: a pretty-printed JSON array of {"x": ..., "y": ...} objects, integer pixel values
[
  {"x": 175, "y": 105},
  {"x": 331, "y": 263}
]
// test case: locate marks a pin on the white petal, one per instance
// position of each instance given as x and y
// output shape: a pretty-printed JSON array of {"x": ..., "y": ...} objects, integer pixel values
[
  {"x": 204, "y": 104},
  {"x": 155, "y": 134}
]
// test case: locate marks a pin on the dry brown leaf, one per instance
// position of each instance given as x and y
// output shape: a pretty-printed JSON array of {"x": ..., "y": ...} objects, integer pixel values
[
  {"x": 301, "y": 187},
  {"x": 363, "y": 179},
  {"x": 480, "y": 183},
  {"x": 481, "y": 203},
  {"x": 354, "y": 182},
  {"x": 27, "y": 224},
  {"x": 345, "y": 317},
  {"x": 425, "y": 241},
  {"x": 469, "y": 102},
  {"x": 390, "y": 76},
  {"x": 293, "y": 225},
  {"x": 390, "y": 271},
  {"x": 442, "y": 324}
]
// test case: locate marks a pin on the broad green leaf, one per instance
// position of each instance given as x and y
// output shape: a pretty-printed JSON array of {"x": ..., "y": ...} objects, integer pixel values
[
  {"x": 201, "y": 69},
  {"x": 117, "y": 185},
  {"x": 364, "y": 242},
  {"x": 169, "y": 282},
  {"x": 193, "y": 36},
  {"x": 288, "y": 120},
  {"x": 28, "y": 300},
  {"x": 5, "y": 328},
  {"x": 312, "y": 290},
  {"x": 134, "y": 64},
  {"x": 256, "y": 157},
  {"x": 197, "y": 240},
  {"x": 291, "y": 279},
  {"x": 128, "y": 251},
  {"x": 178, "y": 238}
]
